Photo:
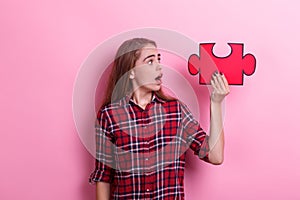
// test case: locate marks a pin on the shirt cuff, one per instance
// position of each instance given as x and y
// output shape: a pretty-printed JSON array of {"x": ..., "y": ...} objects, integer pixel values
[
  {"x": 100, "y": 176},
  {"x": 204, "y": 149}
]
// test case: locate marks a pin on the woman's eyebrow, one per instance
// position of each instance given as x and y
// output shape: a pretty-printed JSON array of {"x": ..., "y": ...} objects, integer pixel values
[{"x": 158, "y": 55}]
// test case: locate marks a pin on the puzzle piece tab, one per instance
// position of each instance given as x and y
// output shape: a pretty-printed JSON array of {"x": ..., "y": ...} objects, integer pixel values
[{"x": 233, "y": 66}]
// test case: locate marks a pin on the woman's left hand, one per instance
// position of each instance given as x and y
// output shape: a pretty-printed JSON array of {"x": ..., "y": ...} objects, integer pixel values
[{"x": 220, "y": 87}]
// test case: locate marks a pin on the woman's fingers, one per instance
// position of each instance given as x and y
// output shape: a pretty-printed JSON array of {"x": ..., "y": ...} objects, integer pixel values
[
  {"x": 218, "y": 82},
  {"x": 214, "y": 82},
  {"x": 225, "y": 83},
  {"x": 220, "y": 86}
]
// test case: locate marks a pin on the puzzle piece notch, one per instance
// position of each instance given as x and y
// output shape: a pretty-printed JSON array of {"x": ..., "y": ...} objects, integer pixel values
[{"x": 234, "y": 66}]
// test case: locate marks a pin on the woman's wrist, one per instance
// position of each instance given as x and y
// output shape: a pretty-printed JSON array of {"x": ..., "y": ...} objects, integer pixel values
[{"x": 215, "y": 103}]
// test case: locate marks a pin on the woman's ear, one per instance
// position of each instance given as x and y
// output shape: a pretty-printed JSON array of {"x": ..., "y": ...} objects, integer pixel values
[{"x": 131, "y": 74}]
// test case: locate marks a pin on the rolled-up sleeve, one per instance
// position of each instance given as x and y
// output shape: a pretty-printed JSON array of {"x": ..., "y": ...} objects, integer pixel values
[
  {"x": 196, "y": 137},
  {"x": 104, "y": 162}
]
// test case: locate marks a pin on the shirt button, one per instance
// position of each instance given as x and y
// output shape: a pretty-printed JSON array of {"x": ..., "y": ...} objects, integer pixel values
[
  {"x": 147, "y": 159},
  {"x": 147, "y": 190}
]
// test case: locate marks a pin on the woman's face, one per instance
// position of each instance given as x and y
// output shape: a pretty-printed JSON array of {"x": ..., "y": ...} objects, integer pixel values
[{"x": 147, "y": 73}]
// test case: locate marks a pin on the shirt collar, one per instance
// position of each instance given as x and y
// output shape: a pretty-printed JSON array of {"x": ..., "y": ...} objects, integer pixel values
[
  {"x": 157, "y": 98},
  {"x": 128, "y": 98}
]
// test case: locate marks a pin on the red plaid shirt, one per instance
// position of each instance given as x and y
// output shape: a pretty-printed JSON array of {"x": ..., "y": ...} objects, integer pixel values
[{"x": 141, "y": 152}]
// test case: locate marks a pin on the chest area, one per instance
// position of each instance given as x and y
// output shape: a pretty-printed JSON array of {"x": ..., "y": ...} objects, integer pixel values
[{"x": 136, "y": 129}]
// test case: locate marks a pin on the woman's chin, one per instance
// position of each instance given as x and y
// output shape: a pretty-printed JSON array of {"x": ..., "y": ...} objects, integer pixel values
[{"x": 156, "y": 87}]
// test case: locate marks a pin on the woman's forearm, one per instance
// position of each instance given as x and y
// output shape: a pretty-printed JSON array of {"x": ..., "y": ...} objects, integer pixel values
[
  {"x": 102, "y": 191},
  {"x": 216, "y": 137}
]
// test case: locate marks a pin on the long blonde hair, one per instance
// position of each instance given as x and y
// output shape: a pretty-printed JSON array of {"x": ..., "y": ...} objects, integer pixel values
[{"x": 125, "y": 59}]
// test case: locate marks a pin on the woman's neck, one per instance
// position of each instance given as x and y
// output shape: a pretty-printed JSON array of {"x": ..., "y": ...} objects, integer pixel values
[{"x": 142, "y": 98}]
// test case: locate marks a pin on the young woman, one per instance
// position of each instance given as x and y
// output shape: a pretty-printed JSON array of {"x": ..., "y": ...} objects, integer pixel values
[{"x": 142, "y": 134}]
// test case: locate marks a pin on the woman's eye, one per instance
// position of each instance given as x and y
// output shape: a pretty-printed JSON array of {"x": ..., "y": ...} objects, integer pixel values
[{"x": 150, "y": 62}]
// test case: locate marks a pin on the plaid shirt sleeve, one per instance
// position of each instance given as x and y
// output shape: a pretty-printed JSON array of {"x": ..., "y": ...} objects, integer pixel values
[
  {"x": 196, "y": 137},
  {"x": 104, "y": 162}
]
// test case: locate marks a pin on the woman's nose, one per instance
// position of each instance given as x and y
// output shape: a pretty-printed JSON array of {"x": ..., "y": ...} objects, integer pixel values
[{"x": 158, "y": 67}]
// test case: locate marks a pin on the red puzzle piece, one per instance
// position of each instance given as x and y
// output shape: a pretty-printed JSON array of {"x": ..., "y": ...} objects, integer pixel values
[{"x": 234, "y": 66}]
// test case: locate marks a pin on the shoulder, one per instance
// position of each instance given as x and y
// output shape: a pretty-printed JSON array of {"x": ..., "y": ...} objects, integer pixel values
[
  {"x": 175, "y": 102},
  {"x": 184, "y": 110},
  {"x": 107, "y": 110},
  {"x": 175, "y": 105}
]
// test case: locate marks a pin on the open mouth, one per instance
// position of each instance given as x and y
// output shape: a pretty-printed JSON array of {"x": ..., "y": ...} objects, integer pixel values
[{"x": 158, "y": 78}]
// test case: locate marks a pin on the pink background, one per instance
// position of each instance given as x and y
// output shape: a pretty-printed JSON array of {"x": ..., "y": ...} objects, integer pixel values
[{"x": 43, "y": 44}]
